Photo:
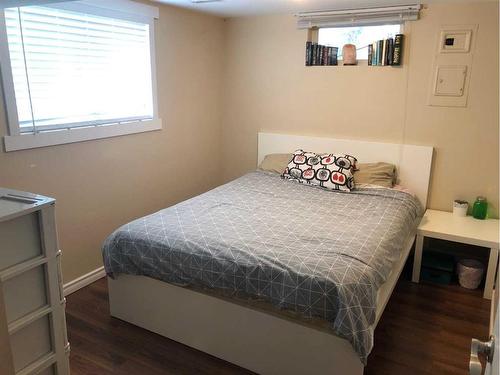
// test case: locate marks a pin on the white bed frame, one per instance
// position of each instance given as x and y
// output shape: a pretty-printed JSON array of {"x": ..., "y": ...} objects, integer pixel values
[{"x": 264, "y": 342}]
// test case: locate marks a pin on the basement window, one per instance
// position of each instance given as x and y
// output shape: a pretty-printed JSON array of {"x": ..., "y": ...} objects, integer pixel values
[
  {"x": 363, "y": 27},
  {"x": 75, "y": 71},
  {"x": 360, "y": 36}
]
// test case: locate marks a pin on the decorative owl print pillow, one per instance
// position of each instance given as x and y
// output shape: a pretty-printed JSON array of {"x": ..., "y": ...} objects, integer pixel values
[{"x": 330, "y": 171}]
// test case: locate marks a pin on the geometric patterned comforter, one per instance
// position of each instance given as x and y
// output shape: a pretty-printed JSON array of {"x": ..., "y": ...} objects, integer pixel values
[{"x": 316, "y": 252}]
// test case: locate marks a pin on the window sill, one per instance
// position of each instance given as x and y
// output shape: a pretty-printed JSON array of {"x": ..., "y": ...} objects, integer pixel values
[
  {"x": 360, "y": 63},
  {"x": 59, "y": 137}
]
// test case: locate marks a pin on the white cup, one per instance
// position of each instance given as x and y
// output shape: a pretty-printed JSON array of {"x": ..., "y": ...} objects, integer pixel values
[{"x": 460, "y": 208}]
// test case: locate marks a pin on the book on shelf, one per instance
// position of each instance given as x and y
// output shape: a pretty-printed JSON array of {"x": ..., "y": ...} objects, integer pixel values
[
  {"x": 390, "y": 51},
  {"x": 398, "y": 50},
  {"x": 386, "y": 52},
  {"x": 380, "y": 51},
  {"x": 335, "y": 51},
  {"x": 308, "y": 53},
  {"x": 317, "y": 54}
]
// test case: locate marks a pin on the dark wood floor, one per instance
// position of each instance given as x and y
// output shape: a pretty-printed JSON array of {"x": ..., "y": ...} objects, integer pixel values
[{"x": 425, "y": 329}]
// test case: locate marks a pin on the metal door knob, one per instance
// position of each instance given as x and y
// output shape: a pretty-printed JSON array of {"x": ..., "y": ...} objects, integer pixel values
[{"x": 479, "y": 347}]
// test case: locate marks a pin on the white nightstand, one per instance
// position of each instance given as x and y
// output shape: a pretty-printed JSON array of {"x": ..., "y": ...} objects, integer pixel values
[{"x": 467, "y": 230}]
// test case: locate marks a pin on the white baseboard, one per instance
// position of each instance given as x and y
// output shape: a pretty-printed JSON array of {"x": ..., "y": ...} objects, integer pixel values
[{"x": 84, "y": 280}]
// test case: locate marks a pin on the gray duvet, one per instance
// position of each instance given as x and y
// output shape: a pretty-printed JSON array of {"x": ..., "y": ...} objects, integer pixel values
[{"x": 316, "y": 252}]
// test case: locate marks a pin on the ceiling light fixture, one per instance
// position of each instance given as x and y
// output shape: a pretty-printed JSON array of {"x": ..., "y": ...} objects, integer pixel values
[{"x": 205, "y": 1}]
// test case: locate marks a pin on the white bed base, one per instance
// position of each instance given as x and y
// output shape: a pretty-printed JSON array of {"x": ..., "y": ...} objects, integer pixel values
[
  {"x": 248, "y": 337},
  {"x": 245, "y": 336}
]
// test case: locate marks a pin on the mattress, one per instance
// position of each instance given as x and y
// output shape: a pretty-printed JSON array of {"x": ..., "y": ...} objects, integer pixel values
[{"x": 317, "y": 253}]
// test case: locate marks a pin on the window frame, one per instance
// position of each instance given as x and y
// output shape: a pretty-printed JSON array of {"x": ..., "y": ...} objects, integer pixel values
[{"x": 119, "y": 9}]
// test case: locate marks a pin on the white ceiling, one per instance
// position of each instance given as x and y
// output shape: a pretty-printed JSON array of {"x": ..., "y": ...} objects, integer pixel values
[{"x": 235, "y": 8}]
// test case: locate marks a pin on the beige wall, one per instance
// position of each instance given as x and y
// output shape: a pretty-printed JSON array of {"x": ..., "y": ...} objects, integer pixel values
[
  {"x": 100, "y": 185},
  {"x": 267, "y": 88},
  {"x": 220, "y": 82}
]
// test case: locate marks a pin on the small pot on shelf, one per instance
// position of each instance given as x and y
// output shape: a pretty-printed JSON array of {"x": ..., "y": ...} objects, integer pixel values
[{"x": 349, "y": 54}]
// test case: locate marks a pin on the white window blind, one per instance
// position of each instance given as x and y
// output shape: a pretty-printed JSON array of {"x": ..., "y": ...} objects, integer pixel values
[
  {"x": 23, "y": 3},
  {"x": 75, "y": 69},
  {"x": 358, "y": 17}
]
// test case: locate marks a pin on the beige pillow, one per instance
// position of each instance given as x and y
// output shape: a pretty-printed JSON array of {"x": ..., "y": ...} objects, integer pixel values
[
  {"x": 381, "y": 174},
  {"x": 275, "y": 162}
]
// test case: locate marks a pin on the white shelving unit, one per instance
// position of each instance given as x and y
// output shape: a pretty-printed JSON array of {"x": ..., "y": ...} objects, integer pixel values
[{"x": 31, "y": 282}]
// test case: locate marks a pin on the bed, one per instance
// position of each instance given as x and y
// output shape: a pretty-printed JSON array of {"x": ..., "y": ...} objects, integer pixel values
[{"x": 272, "y": 275}]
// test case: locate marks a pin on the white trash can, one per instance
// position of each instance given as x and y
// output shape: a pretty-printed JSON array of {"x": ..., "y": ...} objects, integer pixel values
[{"x": 470, "y": 273}]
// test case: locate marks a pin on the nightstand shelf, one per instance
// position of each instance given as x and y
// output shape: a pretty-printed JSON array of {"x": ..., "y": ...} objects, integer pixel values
[{"x": 467, "y": 230}]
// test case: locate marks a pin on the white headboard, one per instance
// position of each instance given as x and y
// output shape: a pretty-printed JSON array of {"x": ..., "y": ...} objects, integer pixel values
[{"x": 413, "y": 162}]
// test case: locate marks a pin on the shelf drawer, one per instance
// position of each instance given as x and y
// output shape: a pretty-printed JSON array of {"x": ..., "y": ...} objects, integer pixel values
[
  {"x": 20, "y": 240},
  {"x": 25, "y": 293},
  {"x": 31, "y": 342}
]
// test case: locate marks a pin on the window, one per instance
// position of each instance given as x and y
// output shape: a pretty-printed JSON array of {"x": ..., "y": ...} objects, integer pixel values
[
  {"x": 360, "y": 26},
  {"x": 361, "y": 36},
  {"x": 74, "y": 66}
]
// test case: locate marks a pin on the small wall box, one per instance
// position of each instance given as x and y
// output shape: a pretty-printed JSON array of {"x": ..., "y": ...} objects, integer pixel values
[
  {"x": 455, "y": 41},
  {"x": 450, "y": 80}
]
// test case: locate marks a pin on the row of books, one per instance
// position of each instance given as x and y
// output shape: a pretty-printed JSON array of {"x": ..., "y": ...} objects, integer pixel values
[
  {"x": 316, "y": 54},
  {"x": 386, "y": 52}
]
